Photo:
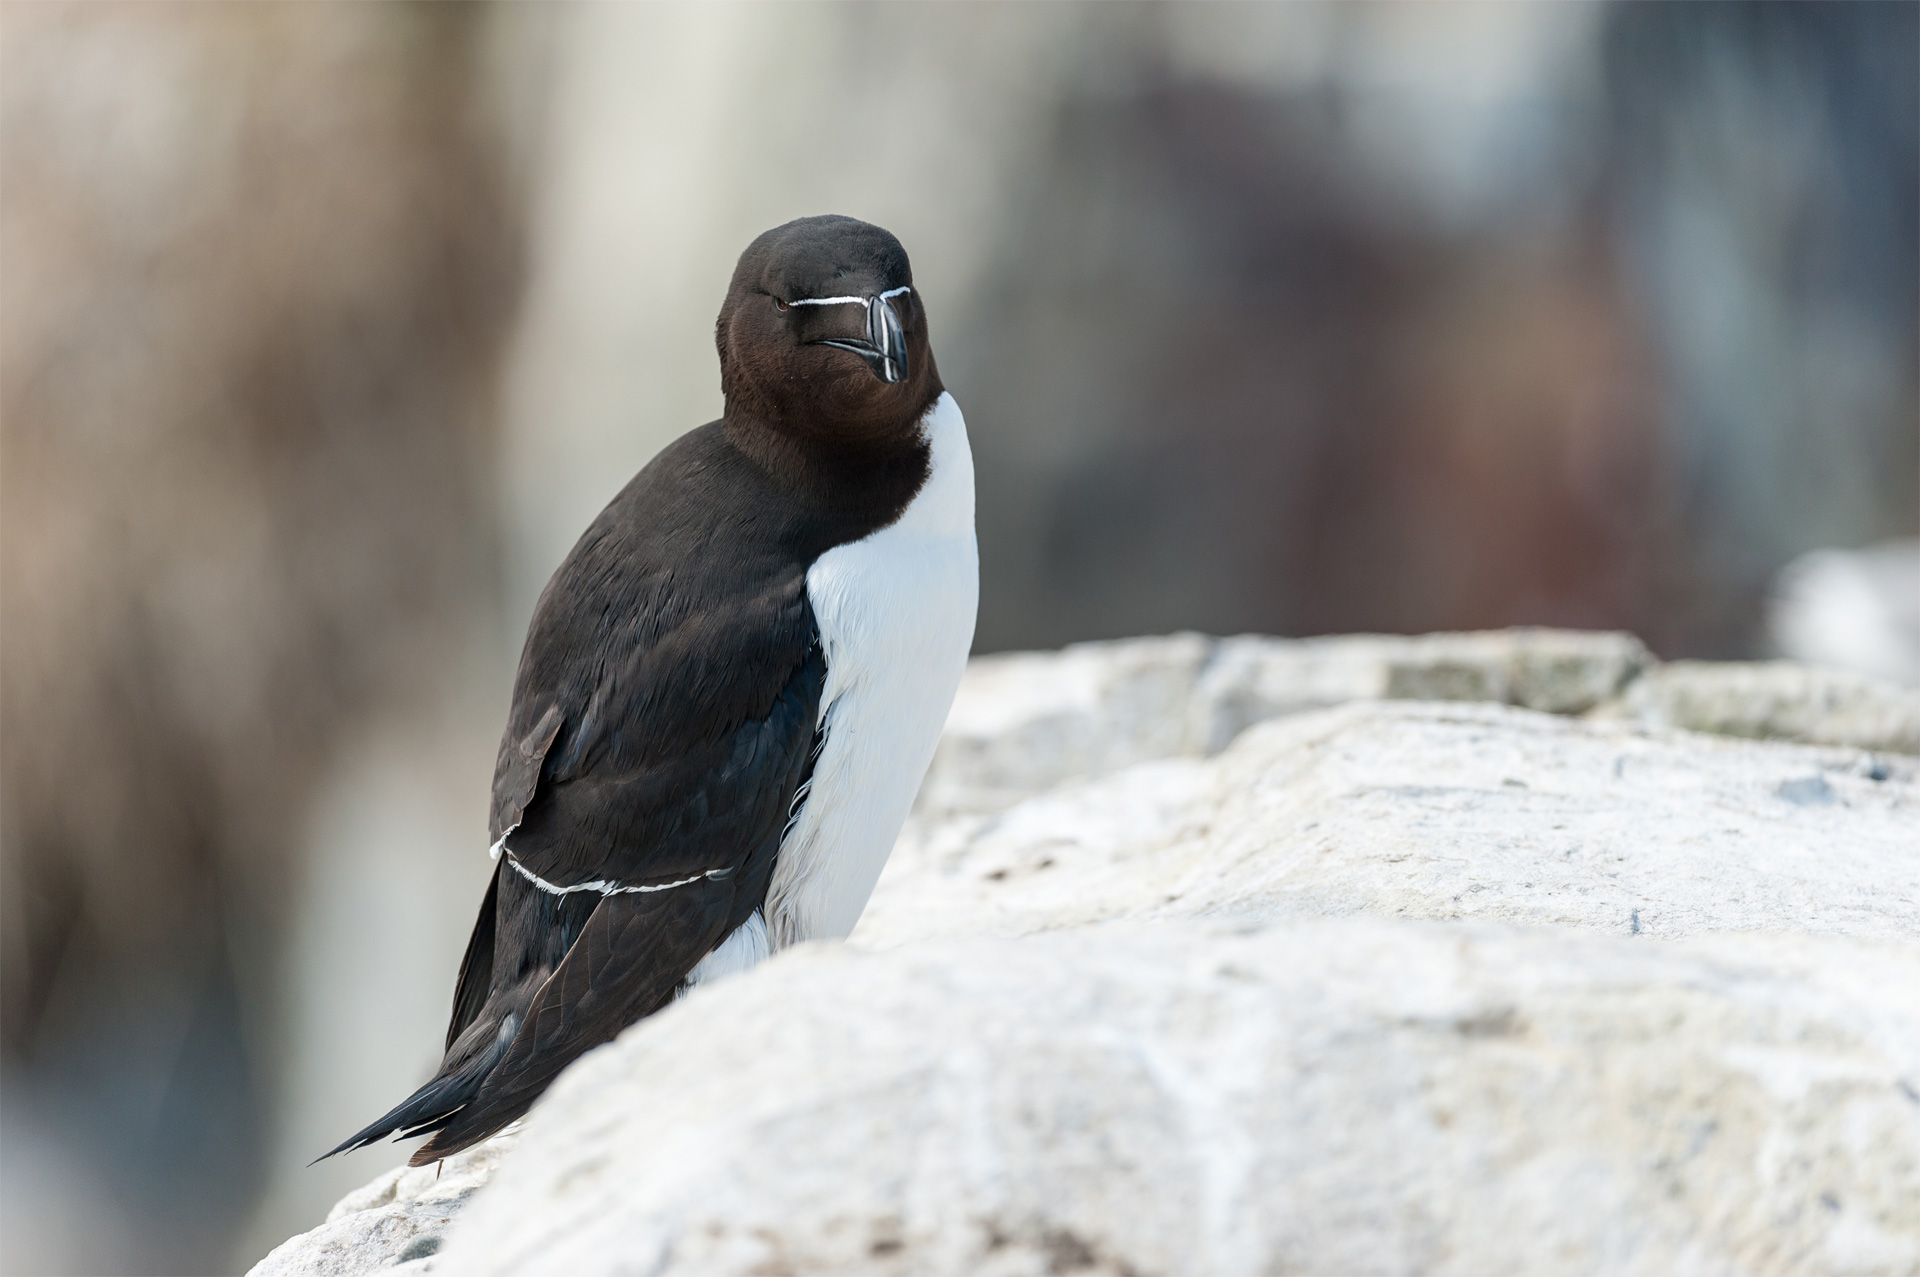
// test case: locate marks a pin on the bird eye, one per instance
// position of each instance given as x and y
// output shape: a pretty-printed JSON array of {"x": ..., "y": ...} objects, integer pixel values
[{"x": 778, "y": 304}]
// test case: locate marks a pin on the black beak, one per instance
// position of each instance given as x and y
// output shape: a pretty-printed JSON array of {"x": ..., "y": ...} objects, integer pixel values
[{"x": 885, "y": 348}]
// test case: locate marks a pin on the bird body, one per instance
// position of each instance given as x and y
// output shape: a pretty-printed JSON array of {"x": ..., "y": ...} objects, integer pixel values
[{"x": 731, "y": 687}]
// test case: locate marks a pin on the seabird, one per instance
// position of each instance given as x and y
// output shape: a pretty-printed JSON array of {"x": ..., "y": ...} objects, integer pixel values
[{"x": 731, "y": 688}]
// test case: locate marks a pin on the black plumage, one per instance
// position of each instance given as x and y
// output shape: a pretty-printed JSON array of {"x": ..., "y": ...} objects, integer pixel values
[{"x": 665, "y": 711}]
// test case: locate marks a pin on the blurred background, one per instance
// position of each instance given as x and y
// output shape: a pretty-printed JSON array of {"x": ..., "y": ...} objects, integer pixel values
[{"x": 324, "y": 330}]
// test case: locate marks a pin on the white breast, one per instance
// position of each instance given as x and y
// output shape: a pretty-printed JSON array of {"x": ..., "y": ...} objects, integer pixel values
[{"x": 896, "y": 613}]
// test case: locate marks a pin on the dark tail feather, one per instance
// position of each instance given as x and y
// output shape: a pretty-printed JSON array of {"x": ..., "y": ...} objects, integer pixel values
[
  {"x": 433, "y": 1105},
  {"x": 468, "y": 1127}
]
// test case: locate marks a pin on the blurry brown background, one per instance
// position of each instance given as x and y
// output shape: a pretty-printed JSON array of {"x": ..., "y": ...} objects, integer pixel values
[{"x": 325, "y": 328}]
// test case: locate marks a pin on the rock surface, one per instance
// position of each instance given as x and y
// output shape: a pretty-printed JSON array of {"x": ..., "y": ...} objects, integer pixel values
[
  {"x": 394, "y": 1225},
  {"x": 1777, "y": 700},
  {"x": 1346, "y": 1096},
  {"x": 1024, "y": 722},
  {"x": 1387, "y": 987},
  {"x": 1429, "y": 810}
]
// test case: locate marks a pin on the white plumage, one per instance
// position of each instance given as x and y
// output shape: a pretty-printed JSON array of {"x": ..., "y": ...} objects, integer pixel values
[
  {"x": 896, "y": 612},
  {"x": 746, "y": 947}
]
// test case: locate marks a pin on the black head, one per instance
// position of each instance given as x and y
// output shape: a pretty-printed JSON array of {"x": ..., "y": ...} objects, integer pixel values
[{"x": 823, "y": 338}]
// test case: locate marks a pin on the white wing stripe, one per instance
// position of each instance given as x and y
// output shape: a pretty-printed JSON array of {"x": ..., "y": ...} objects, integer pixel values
[{"x": 601, "y": 885}]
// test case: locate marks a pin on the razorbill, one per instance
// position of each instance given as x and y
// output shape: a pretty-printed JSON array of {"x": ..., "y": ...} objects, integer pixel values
[{"x": 731, "y": 688}]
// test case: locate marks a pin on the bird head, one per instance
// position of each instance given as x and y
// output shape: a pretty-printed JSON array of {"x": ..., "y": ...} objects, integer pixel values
[{"x": 823, "y": 336}]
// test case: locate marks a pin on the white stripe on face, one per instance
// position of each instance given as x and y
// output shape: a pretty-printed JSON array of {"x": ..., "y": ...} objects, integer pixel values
[{"x": 848, "y": 301}]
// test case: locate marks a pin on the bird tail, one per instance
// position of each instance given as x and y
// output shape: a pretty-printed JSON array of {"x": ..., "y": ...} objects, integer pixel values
[{"x": 467, "y": 1063}]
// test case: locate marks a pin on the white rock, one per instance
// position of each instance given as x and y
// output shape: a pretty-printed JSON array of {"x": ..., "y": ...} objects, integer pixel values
[
  {"x": 1429, "y": 810},
  {"x": 1252, "y": 678},
  {"x": 393, "y": 1225},
  {"x": 1356, "y": 1095},
  {"x": 1527, "y": 993},
  {"x": 1024, "y": 722},
  {"x": 1777, "y": 700}
]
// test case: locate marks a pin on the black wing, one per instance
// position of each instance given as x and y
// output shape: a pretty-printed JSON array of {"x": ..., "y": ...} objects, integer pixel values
[
  {"x": 625, "y": 966},
  {"x": 662, "y": 724},
  {"x": 583, "y": 965}
]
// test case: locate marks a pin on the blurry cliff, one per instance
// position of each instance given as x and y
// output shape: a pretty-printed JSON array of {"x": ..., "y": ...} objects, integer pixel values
[
  {"x": 259, "y": 264},
  {"x": 326, "y": 330},
  {"x": 1764, "y": 168}
]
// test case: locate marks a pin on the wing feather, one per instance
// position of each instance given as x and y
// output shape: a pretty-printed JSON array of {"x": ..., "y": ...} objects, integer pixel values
[
  {"x": 627, "y": 963},
  {"x": 476, "y": 968},
  {"x": 663, "y": 721}
]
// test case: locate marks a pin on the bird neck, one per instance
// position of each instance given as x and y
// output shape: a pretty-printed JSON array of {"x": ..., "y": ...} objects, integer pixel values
[{"x": 869, "y": 478}]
